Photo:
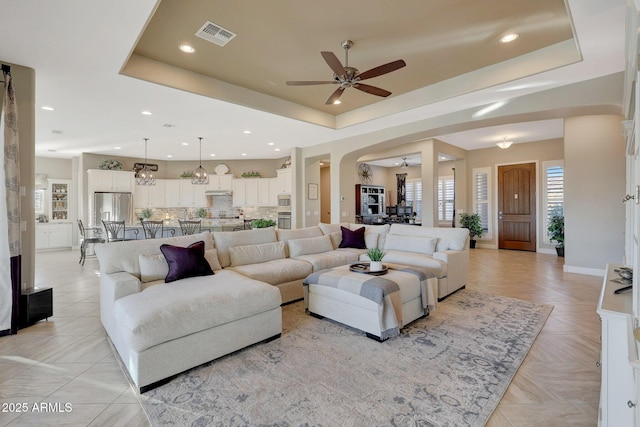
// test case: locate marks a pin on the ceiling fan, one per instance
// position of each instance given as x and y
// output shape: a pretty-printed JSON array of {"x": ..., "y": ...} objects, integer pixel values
[{"x": 347, "y": 76}]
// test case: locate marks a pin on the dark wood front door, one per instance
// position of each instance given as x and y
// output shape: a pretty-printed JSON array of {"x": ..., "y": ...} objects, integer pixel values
[{"x": 517, "y": 207}]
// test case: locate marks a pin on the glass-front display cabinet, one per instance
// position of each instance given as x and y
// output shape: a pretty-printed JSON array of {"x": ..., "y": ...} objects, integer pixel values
[{"x": 59, "y": 197}]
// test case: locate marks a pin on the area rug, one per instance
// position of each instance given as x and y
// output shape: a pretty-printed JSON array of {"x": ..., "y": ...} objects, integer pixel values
[{"x": 448, "y": 369}]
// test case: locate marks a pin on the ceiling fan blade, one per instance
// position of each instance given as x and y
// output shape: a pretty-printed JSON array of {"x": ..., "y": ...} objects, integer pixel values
[
  {"x": 382, "y": 69},
  {"x": 372, "y": 89},
  {"x": 308, "y": 83},
  {"x": 335, "y": 96},
  {"x": 334, "y": 63}
]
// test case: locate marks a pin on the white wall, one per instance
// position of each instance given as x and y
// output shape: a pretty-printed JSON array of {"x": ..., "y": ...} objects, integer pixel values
[{"x": 594, "y": 149}]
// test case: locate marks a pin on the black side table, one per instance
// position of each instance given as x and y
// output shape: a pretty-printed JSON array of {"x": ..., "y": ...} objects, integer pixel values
[{"x": 35, "y": 304}]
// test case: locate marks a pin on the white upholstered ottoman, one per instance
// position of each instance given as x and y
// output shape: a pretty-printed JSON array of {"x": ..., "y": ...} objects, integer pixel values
[{"x": 377, "y": 305}]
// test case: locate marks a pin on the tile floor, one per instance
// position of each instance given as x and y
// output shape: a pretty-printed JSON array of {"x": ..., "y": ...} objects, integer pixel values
[{"x": 67, "y": 360}]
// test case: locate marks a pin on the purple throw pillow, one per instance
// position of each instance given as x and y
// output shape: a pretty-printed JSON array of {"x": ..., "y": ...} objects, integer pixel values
[
  {"x": 353, "y": 239},
  {"x": 185, "y": 262}
]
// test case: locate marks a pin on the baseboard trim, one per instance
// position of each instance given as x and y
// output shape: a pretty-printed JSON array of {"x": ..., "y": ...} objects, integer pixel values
[{"x": 584, "y": 270}]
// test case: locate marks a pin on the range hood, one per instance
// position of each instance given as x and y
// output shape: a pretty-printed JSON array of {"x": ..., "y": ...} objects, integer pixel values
[{"x": 218, "y": 193}]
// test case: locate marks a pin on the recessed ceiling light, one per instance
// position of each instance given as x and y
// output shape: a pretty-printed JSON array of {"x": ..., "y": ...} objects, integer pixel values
[
  {"x": 146, "y": 113},
  {"x": 271, "y": 143},
  {"x": 336, "y": 102},
  {"x": 396, "y": 163},
  {"x": 117, "y": 148},
  {"x": 508, "y": 38},
  {"x": 185, "y": 143},
  {"x": 46, "y": 107},
  {"x": 169, "y": 155},
  {"x": 321, "y": 164},
  {"x": 187, "y": 48},
  {"x": 276, "y": 149},
  {"x": 243, "y": 154},
  {"x": 246, "y": 131},
  {"x": 212, "y": 155}
]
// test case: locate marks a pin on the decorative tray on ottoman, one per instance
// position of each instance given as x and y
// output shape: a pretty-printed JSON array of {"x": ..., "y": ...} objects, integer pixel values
[{"x": 363, "y": 267}]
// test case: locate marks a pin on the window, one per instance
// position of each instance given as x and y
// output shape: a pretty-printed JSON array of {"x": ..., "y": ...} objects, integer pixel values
[
  {"x": 413, "y": 188},
  {"x": 553, "y": 192},
  {"x": 482, "y": 198},
  {"x": 446, "y": 194}
]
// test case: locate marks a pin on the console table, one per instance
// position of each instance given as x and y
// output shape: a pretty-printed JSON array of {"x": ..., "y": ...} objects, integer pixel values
[{"x": 618, "y": 398}]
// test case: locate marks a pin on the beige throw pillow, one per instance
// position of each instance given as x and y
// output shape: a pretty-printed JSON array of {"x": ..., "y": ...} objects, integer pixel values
[
  {"x": 310, "y": 245},
  {"x": 253, "y": 254}
]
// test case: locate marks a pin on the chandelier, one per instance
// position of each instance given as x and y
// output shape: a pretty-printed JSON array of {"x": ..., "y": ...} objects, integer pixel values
[
  {"x": 200, "y": 175},
  {"x": 404, "y": 164},
  {"x": 504, "y": 144},
  {"x": 144, "y": 176}
]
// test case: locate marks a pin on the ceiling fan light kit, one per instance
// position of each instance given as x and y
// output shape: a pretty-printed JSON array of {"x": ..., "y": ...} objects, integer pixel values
[{"x": 347, "y": 76}]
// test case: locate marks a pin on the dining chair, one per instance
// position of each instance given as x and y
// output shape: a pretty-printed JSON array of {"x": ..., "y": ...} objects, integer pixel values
[
  {"x": 117, "y": 231},
  {"x": 155, "y": 229},
  {"x": 189, "y": 226},
  {"x": 88, "y": 236}
]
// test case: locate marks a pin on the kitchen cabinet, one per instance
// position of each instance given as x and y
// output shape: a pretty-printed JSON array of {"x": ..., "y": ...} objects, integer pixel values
[
  {"x": 150, "y": 196},
  {"x": 219, "y": 182},
  {"x": 251, "y": 189},
  {"x": 172, "y": 192},
  {"x": 53, "y": 235},
  {"x": 59, "y": 199},
  {"x": 109, "y": 180},
  {"x": 238, "y": 188},
  {"x": 192, "y": 195},
  {"x": 284, "y": 181},
  {"x": 267, "y": 194},
  {"x": 255, "y": 192}
]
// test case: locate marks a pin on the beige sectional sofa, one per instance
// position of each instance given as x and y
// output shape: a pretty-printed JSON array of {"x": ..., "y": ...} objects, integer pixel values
[{"x": 150, "y": 322}]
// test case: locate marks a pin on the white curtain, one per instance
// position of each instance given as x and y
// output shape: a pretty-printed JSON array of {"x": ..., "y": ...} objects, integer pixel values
[{"x": 9, "y": 209}]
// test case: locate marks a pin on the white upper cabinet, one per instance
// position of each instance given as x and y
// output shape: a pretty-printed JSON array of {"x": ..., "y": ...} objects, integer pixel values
[
  {"x": 255, "y": 192},
  {"x": 284, "y": 181},
  {"x": 172, "y": 192},
  {"x": 109, "y": 180},
  {"x": 192, "y": 195},
  {"x": 219, "y": 182},
  {"x": 150, "y": 196}
]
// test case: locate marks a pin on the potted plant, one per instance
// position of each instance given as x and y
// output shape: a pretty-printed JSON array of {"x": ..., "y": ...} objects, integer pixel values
[
  {"x": 375, "y": 255},
  {"x": 146, "y": 213},
  {"x": 556, "y": 233},
  {"x": 262, "y": 223},
  {"x": 472, "y": 222},
  {"x": 202, "y": 213},
  {"x": 111, "y": 164}
]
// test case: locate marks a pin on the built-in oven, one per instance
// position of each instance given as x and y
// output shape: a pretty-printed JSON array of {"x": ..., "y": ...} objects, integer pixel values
[
  {"x": 284, "y": 211},
  {"x": 284, "y": 220}
]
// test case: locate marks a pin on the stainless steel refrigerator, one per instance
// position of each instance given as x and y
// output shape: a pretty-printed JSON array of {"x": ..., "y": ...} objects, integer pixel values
[{"x": 112, "y": 207}]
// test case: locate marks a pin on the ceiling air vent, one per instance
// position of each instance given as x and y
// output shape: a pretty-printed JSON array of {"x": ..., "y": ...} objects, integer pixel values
[{"x": 215, "y": 34}]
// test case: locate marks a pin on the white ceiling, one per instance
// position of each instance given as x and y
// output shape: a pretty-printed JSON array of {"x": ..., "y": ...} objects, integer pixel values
[{"x": 78, "y": 48}]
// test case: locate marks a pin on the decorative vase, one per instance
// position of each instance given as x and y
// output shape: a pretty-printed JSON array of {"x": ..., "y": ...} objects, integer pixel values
[{"x": 375, "y": 266}]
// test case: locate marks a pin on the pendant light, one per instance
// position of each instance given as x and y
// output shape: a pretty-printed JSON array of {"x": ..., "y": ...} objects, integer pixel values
[
  {"x": 404, "y": 164},
  {"x": 200, "y": 176},
  {"x": 144, "y": 176}
]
